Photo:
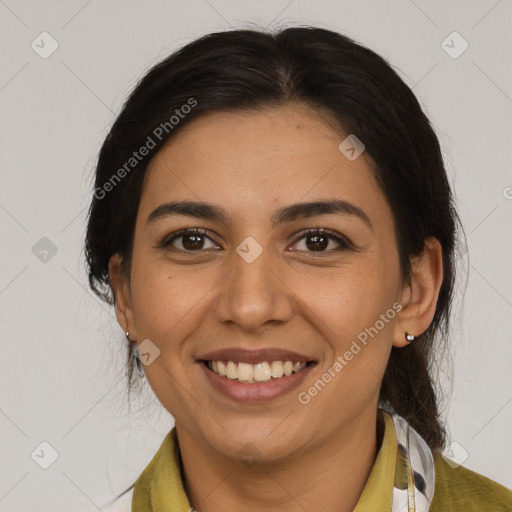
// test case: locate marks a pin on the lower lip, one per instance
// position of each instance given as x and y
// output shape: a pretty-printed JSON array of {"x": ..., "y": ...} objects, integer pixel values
[{"x": 255, "y": 393}]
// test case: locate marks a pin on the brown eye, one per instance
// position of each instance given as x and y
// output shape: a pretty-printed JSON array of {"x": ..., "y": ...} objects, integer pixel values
[
  {"x": 318, "y": 240},
  {"x": 192, "y": 240}
]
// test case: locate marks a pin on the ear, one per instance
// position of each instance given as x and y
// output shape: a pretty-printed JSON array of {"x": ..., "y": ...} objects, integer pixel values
[
  {"x": 122, "y": 296},
  {"x": 419, "y": 296}
]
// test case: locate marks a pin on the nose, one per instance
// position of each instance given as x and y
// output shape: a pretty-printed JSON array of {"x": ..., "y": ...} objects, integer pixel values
[{"x": 254, "y": 295}]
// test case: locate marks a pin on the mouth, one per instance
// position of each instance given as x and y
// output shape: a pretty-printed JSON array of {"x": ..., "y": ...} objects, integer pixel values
[
  {"x": 264, "y": 371},
  {"x": 255, "y": 376}
]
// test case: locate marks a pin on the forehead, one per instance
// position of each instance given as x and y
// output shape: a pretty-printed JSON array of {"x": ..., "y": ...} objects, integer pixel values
[
  {"x": 248, "y": 161},
  {"x": 254, "y": 137}
]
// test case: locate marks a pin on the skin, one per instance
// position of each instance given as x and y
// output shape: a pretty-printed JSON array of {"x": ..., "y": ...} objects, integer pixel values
[{"x": 310, "y": 457}]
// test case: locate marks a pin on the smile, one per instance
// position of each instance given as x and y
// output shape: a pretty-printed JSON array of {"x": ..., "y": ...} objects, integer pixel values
[
  {"x": 258, "y": 382},
  {"x": 248, "y": 373}
]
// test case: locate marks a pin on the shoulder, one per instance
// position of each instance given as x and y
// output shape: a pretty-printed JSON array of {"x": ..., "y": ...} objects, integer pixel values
[{"x": 458, "y": 488}]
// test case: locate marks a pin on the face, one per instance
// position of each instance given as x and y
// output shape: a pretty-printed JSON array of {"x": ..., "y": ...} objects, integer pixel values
[{"x": 254, "y": 284}]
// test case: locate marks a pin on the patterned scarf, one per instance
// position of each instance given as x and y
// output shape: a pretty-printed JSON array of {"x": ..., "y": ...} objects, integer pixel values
[{"x": 414, "y": 471}]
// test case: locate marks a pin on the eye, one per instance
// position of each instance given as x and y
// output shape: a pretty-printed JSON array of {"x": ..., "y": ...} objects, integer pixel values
[
  {"x": 318, "y": 239},
  {"x": 192, "y": 240}
]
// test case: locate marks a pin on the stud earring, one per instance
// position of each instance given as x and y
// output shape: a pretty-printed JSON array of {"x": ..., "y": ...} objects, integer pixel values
[
  {"x": 410, "y": 337},
  {"x": 128, "y": 336}
]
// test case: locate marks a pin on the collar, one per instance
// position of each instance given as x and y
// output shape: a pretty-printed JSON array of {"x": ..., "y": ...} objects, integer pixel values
[
  {"x": 378, "y": 491},
  {"x": 159, "y": 488},
  {"x": 401, "y": 479}
]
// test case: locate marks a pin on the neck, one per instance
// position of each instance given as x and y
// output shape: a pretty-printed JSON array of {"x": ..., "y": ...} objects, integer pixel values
[{"x": 329, "y": 477}]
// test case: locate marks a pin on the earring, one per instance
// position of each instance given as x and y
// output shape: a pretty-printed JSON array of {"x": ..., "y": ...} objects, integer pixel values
[
  {"x": 128, "y": 336},
  {"x": 409, "y": 337}
]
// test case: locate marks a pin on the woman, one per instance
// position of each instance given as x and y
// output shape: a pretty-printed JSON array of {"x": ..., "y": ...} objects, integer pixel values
[{"x": 273, "y": 223}]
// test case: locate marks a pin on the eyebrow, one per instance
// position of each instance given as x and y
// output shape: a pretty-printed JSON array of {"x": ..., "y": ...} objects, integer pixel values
[{"x": 209, "y": 211}]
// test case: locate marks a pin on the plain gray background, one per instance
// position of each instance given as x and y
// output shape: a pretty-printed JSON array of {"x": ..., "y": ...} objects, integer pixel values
[{"x": 62, "y": 350}]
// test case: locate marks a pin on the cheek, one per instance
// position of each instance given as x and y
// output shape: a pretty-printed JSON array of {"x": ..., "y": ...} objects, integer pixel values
[
  {"x": 349, "y": 299},
  {"x": 355, "y": 313},
  {"x": 168, "y": 304},
  {"x": 167, "y": 307}
]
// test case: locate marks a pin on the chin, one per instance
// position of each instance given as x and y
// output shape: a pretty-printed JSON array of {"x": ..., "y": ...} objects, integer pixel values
[{"x": 264, "y": 442}]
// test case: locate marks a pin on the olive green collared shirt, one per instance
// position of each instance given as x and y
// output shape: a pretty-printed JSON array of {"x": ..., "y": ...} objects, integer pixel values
[{"x": 160, "y": 486}]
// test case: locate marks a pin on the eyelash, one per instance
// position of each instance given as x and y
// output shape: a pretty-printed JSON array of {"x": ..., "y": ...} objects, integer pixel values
[{"x": 344, "y": 243}]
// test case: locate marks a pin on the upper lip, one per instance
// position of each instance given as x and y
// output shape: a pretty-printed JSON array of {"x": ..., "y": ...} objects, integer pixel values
[{"x": 243, "y": 355}]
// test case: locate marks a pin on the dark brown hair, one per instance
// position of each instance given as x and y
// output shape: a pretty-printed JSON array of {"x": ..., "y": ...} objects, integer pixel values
[{"x": 249, "y": 69}]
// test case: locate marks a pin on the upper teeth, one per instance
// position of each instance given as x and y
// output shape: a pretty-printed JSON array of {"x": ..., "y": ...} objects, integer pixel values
[{"x": 259, "y": 372}]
